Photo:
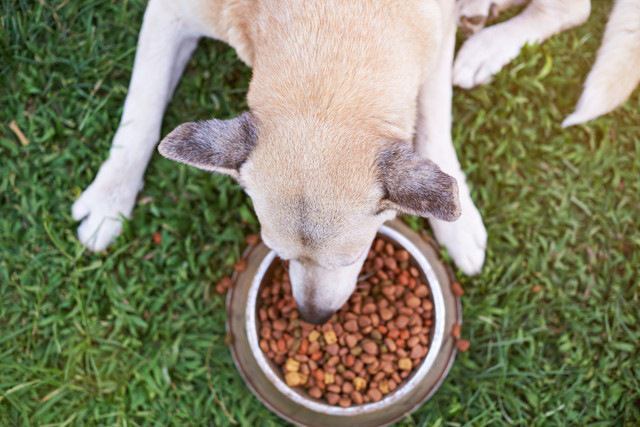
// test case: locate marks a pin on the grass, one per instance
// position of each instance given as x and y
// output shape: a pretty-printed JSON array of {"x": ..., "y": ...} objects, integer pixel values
[{"x": 135, "y": 336}]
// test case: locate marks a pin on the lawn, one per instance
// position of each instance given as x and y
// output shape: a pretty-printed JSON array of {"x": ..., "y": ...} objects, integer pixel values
[{"x": 136, "y": 336}]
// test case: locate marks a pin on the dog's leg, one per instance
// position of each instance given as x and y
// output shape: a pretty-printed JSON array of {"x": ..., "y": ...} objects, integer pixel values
[
  {"x": 466, "y": 238},
  {"x": 485, "y": 53},
  {"x": 165, "y": 44},
  {"x": 474, "y": 14},
  {"x": 617, "y": 69}
]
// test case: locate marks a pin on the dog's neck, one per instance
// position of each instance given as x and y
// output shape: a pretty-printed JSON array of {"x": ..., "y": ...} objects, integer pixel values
[{"x": 358, "y": 62}]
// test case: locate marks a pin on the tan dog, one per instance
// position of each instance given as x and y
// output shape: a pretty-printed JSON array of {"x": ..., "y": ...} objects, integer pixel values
[{"x": 340, "y": 91}]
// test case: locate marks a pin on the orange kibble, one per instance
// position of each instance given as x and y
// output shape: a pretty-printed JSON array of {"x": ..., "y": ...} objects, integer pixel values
[
  {"x": 457, "y": 290},
  {"x": 456, "y": 330},
  {"x": 463, "y": 345}
]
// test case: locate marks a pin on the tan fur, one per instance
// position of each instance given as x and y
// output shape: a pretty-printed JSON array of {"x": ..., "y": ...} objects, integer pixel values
[
  {"x": 323, "y": 115},
  {"x": 332, "y": 82}
]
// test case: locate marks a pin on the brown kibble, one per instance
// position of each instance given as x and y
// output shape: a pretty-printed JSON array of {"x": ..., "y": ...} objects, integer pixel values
[
  {"x": 369, "y": 308},
  {"x": 252, "y": 239},
  {"x": 411, "y": 342},
  {"x": 332, "y": 398},
  {"x": 463, "y": 345},
  {"x": 402, "y": 321},
  {"x": 364, "y": 321},
  {"x": 351, "y": 326},
  {"x": 422, "y": 291},
  {"x": 413, "y": 301},
  {"x": 374, "y": 394},
  {"x": 156, "y": 237},
  {"x": 386, "y": 314},
  {"x": 402, "y": 255},
  {"x": 334, "y": 388},
  {"x": 223, "y": 285},
  {"x": 332, "y": 349},
  {"x": 240, "y": 266},
  {"x": 304, "y": 346},
  {"x": 351, "y": 340},
  {"x": 315, "y": 392},
  {"x": 457, "y": 289},
  {"x": 370, "y": 347},
  {"x": 357, "y": 398},
  {"x": 456, "y": 330},
  {"x": 391, "y": 264},
  {"x": 345, "y": 402},
  {"x": 416, "y": 352},
  {"x": 280, "y": 325}
]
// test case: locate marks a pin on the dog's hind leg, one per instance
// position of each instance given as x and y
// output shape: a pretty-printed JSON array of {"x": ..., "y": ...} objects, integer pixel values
[
  {"x": 466, "y": 238},
  {"x": 165, "y": 44},
  {"x": 486, "y": 52},
  {"x": 617, "y": 69}
]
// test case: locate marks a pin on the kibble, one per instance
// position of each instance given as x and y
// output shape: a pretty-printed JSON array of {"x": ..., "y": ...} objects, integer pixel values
[{"x": 368, "y": 348}]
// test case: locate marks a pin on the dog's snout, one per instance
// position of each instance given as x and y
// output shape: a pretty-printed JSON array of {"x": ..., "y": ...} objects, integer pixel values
[{"x": 313, "y": 315}]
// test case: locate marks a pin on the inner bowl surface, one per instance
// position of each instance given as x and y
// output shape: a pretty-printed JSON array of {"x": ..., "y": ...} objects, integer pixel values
[{"x": 263, "y": 275}]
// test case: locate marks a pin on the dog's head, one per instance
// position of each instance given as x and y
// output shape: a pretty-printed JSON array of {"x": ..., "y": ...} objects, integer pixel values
[{"x": 320, "y": 192}]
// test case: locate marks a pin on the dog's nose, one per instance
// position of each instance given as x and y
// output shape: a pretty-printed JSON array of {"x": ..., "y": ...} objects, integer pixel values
[{"x": 315, "y": 316}]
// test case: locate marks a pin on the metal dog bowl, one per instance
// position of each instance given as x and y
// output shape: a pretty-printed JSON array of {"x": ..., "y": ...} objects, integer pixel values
[{"x": 266, "y": 382}]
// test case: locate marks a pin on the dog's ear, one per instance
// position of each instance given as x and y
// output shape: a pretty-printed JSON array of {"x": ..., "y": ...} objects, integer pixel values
[
  {"x": 415, "y": 185},
  {"x": 213, "y": 145}
]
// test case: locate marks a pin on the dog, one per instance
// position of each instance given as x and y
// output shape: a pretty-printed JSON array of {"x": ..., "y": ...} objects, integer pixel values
[
  {"x": 613, "y": 77},
  {"x": 349, "y": 123}
]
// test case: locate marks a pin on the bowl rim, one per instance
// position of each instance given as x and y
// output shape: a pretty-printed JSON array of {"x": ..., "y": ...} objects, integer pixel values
[
  {"x": 264, "y": 390},
  {"x": 390, "y": 399}
]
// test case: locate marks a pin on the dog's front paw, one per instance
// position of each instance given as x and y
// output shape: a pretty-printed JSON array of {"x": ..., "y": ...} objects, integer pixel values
[
  {"x": 465, "y": 239},
  {"x": 103, "y": 205},
  {"x": 483, "y": 55}
]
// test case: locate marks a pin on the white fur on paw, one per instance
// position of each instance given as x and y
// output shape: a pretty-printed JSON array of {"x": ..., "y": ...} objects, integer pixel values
[
  {"x": 465, "y": 239},
  {"x": 101, "y": 208},
  {"x": 483, "y": 55}
]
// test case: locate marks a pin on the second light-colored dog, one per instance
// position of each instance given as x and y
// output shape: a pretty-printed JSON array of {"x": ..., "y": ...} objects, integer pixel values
[{"x": 613, "y": 77}]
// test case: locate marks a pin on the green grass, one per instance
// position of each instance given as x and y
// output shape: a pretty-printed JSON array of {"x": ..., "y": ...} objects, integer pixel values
[{"x": 136, "y": 336}]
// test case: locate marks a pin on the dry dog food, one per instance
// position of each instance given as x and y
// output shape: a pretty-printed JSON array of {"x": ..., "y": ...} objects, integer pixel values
[{"x": 367, "y": 349}]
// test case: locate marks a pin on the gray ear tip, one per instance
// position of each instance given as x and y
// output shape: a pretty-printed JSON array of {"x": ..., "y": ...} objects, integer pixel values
[
  {"x": 170, "y": 143},
  {"x": 164, "y": 148},
  {"x": 453, "y": 209}
]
